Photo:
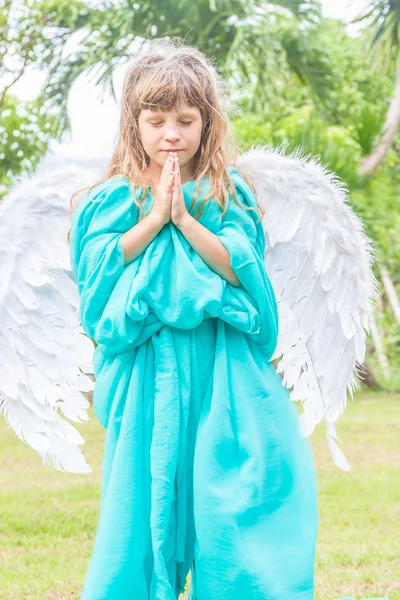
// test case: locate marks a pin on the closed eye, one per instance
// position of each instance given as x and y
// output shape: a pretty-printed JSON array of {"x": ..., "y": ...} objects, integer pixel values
[{"x": 161, "y": 122}]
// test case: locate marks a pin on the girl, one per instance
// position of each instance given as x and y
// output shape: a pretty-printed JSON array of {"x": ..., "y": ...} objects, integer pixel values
[{"x": 204, "y": 467}]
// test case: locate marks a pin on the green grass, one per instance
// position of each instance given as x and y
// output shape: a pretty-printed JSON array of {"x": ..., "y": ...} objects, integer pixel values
[{"x": 48, "y": 518}]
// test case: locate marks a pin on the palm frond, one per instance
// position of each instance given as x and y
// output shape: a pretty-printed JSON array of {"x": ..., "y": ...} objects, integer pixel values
[
  {"x": 308, "y": 9},
  {"x": 382, "y": 25}
]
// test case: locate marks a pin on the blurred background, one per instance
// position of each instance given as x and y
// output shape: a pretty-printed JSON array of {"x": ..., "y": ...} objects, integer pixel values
[{"x": 318, "y": 74}]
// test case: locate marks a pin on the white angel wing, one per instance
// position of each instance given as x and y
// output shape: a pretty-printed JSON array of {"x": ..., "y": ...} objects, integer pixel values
[
  {"x": 319, "y": 261},
  {"x": 44, "y": 355}
]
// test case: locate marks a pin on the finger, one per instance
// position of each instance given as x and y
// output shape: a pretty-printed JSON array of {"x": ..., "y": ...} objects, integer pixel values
[
  {"x": 168, "y": 165},
  {"x": 170, "y": 180},
  {"x": 177, "y": 172},
  {"x": 167, "y": 173}
]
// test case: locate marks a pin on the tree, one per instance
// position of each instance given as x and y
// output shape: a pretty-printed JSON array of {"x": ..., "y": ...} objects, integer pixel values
[
  {"x": 247, "y": 41},
  {"x": 257, "y": 45},
  {"x": 27, "y": 39},
  {"x": 341, "y": 135},
  {"x": 382, "y": 35}
]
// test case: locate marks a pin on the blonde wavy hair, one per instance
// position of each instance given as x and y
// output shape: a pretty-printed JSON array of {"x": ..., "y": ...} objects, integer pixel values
[{"x": 167, "y": 75}]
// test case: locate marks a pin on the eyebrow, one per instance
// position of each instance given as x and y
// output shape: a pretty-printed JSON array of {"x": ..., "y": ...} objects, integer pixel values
[{"x": 186, "y": 113}]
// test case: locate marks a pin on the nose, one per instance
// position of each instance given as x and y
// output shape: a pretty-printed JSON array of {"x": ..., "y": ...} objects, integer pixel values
[{"x": 172, "y": 135}]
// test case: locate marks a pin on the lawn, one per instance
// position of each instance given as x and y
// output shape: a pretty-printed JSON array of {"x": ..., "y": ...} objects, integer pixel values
[{"x": 48, "y": 518}]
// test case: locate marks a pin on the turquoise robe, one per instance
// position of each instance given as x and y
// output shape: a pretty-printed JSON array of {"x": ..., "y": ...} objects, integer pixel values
[{"x": 204, "y": 468}]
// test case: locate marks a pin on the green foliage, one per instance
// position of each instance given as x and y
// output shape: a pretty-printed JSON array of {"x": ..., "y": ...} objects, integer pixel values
[
  {"x": 33, "y": 33},
  {"x": 304, "y": 128},
  {"x": 25, "y": 132},
  {"x": 247, "y": 42},
  {"x": 298, "y": 81},
  {"x": 383, "y": 32},
  {"x": 376, "y": 201}
]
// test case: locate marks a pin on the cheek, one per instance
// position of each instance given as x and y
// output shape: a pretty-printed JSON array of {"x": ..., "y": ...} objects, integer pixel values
[
  {"x": 149, "y": 136},
  {"x": 196, "y": 136}
]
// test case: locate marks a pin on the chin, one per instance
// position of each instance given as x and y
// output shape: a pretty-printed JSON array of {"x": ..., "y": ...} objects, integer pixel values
[{"x": 159, "y": 160}]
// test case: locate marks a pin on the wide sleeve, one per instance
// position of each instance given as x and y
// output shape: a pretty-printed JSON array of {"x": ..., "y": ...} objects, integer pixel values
[
  {"x": 168, "y": 283},
  {"x": 243, "y": 236},
  {"x": 97, "y": 259}
]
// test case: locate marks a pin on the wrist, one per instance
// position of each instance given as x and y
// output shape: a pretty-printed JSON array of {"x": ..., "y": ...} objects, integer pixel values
[
  {"x": 184, "y": 221},
  {"x": 158, "y": 219}
]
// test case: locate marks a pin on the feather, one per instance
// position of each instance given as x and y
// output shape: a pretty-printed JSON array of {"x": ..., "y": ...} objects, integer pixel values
[
  {"x": 319, "y": 261},
  {"x": 45, "y": 359}
]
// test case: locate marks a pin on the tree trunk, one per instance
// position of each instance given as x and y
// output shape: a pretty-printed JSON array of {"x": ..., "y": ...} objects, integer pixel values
[
  {"x": 391, "y": 292},
  {"x": 377, "y": 340},
  {"x": 369, "y": 164},
  {"x": 369, "y": 378}
]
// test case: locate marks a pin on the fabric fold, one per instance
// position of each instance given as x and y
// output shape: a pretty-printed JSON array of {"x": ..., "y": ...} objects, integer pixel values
[
  {"x": 203, "y": 462},
  {"x": 169, "y": 283}
]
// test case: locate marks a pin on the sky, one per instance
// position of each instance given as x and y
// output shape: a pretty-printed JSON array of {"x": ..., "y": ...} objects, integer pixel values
[{"x": 94, "y": 123}]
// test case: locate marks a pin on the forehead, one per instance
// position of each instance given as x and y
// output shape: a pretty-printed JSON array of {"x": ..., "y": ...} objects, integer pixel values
[{"x": 183, "y": 109}]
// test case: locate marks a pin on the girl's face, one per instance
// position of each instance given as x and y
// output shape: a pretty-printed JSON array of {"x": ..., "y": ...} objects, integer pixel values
[{"x": 176, "y": 130}]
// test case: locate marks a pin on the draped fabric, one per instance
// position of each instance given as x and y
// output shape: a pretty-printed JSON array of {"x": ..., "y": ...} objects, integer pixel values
[{"x": 204, "y": 468}]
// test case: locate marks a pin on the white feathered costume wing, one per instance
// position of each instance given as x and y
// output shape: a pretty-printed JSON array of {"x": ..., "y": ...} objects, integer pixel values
[
  {"x": 45, "y": 358},
  {"x": 319, "y": 261},
  {"x": 317, "y": 257}
]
